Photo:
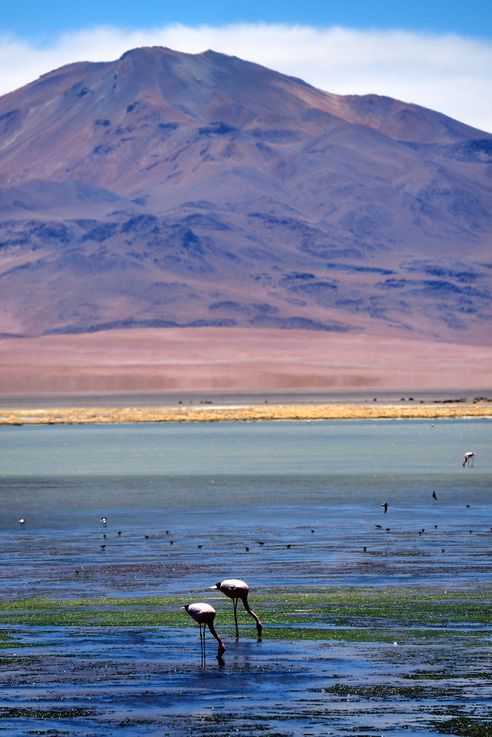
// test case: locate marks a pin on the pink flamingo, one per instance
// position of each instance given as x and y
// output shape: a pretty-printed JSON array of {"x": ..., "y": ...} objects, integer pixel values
[
  {"x": 235, "y": 590},
  {"x": 204, "y": 615},
  {"x": 469, "y": 458}
]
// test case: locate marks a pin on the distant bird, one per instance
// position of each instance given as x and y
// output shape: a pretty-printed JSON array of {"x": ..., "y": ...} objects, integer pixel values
[
  {"x": 204, "y": 615},
  {"x": 434, "y": 495},
  {"x": 378, "y": 527},
  {"x": 22, "y": 521},
  {"x": 469, "y": 458},
  {"x": 385, "y": 506},
  {"x": 235, "y": 590},
  {"x": 104, "y": 521}
]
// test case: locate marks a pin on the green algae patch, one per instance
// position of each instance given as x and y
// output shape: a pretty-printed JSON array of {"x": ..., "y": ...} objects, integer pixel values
[
  {"x": 317, "y": 634},
  {"x": 433, "y": 675},
  {"x": 27, "y": 713},
  {"x": 6, "y": 640},
  {"x": 331, "y": 613},
  {"x": 464, "y": 726},
  {"x": 385, "y": 691},
  {"x": 42, "y": 612},
  {"x": 38, "y": 603},
  {"x": 411, "y": 607}
]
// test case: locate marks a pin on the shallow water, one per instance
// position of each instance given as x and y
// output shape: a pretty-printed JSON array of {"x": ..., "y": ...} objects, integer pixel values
[{"x": 316, "y": 487}]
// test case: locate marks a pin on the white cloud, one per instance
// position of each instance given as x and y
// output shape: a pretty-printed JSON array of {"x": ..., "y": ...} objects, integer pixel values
[{"x": 449, "y": 73}]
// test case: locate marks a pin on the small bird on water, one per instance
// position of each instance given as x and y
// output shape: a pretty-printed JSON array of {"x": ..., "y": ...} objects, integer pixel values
[
  {"x": 236, "y": 589},
  {"x": 204, "y": 615}
]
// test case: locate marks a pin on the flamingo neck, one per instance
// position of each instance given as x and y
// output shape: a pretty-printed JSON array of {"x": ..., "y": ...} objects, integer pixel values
[
  {"x": 213, "y": 632},
  {"x": 253, "y": 614}
]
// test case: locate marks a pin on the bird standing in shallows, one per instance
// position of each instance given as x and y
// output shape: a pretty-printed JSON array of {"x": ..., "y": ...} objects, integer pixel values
[
  {"x": 469, "y": 458},
  {"x": 385, "y": 506},
  {"x": 204, "y": 615},
  {"x": 235, "y": 590}
]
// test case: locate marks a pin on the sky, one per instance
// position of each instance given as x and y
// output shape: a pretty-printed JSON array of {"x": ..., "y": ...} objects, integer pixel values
[{"x": 433, "y": 53}]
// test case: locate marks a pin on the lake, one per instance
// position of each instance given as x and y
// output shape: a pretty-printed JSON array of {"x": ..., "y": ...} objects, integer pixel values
[{"x": 290, "y": 507}]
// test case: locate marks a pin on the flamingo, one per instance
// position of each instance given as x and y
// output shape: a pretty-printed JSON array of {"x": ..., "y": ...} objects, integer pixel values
[
  {"x": 385, "y": 506},
  {"x": 204, "y": 615},
  {"x": 236, "y": 589},
  {"x": 469, "y": 458}
]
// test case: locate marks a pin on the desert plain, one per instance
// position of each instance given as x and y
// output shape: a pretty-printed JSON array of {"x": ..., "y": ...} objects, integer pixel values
[{"x": 257, "y": 362}]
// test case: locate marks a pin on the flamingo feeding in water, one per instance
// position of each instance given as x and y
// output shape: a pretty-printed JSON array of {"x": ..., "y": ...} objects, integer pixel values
[
  {"x": 204, "y": 615},
  {"x": 469, "y": 458},
  {"x": 235, "y": 590}
]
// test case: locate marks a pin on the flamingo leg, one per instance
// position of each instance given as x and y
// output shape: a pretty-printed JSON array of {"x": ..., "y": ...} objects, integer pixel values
[
  {"x": 202, "y": 643},
  {"x": 234, "y": 604}
]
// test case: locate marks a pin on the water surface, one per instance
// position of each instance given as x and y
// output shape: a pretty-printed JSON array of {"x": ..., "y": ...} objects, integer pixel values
[{"x": 286, "y": 506}]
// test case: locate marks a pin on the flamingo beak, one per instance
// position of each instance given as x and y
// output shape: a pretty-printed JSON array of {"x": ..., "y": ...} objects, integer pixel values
[{"x": 213, "y": 587}]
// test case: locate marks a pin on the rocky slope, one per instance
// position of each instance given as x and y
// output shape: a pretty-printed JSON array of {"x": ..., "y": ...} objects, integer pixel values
[{"x": 166, "y": 189}]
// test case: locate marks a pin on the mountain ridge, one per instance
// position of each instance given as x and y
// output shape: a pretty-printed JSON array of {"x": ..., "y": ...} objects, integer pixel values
[{"x": 167, "y": 189}]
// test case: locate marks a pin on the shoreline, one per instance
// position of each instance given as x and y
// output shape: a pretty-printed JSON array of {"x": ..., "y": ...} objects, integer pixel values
[{"x": 249, "y": 413}]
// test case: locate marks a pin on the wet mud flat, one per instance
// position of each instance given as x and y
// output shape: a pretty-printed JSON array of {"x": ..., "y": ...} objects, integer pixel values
[
  {"x": 332, "y": 661},
  {"x": 398, "y": 643},
  {"x": 266, "y": 689}
]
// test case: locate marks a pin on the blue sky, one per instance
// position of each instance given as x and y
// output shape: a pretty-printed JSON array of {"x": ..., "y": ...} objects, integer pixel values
[
  {"x": 36, "y": 19},
  {"x": 436, "y": 54}
]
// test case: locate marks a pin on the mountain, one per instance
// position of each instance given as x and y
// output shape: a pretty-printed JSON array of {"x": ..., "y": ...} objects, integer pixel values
[{"x": 167, "y": 189}]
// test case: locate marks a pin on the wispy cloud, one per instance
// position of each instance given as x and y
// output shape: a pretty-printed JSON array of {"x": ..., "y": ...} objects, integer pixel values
[{"x": 449, "y": 73}]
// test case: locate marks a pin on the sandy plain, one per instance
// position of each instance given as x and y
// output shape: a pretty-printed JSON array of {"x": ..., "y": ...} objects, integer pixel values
[
  {"x": 248, "y": 361},
  {"x": 220, "y": 359}
]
